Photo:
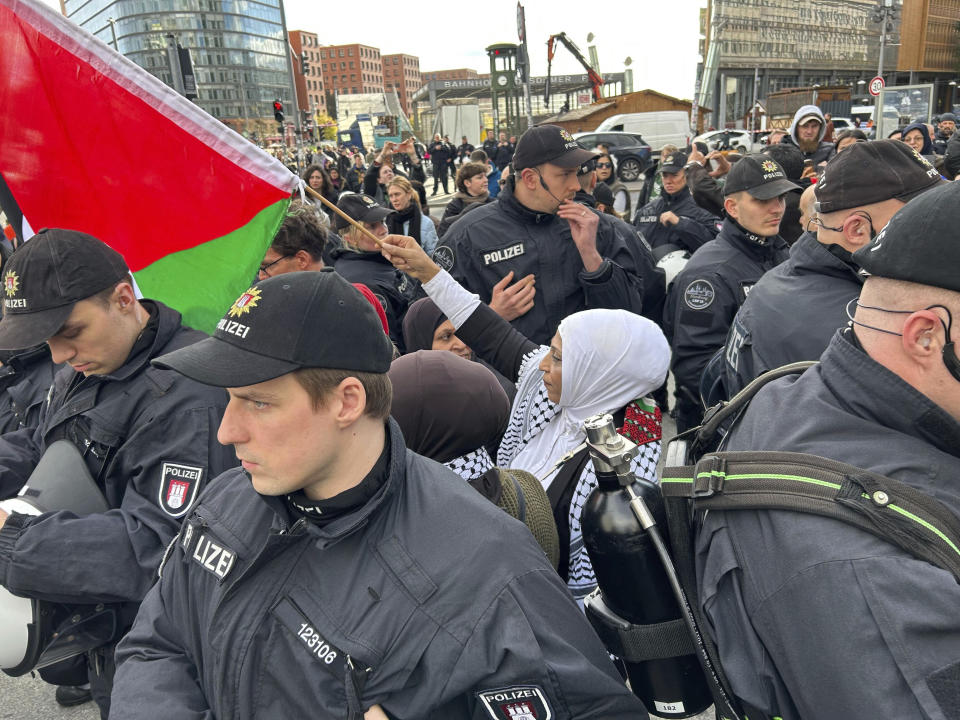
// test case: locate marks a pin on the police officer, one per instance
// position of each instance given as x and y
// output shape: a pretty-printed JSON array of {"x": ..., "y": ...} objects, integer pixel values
[
  {"x": 536, "y": 229},
  {"x": 674, "y": 221},
  {"x": 794, "y": 310},
  {"x": 706, "y": 294},
  {"x": 358, "y": 259},
  {"x": 337, "y": 571},
  {"x": 147, "y": 435},
  {"x": 813, "y": 617}
]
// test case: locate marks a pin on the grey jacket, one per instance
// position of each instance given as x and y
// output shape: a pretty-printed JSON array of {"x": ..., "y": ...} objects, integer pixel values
[
  {"x": 791, "y": 313},
  {"x": 428, "y": 600},
  {"x": 815, "y": 618}
]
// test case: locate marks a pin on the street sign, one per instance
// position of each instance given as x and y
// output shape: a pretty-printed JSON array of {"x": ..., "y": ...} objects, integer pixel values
[{"x": 876, "y": 85}]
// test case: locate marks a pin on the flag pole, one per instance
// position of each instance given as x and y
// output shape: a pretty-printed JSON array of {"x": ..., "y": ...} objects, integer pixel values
[{"x": 341, "y": 213}]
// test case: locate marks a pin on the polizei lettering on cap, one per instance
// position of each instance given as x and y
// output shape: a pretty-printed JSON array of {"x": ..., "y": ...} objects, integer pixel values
[
  {"x": 15, "y": 303},
  {"x": 495, "y": 256},
  {"x": 233, "y": 327}
]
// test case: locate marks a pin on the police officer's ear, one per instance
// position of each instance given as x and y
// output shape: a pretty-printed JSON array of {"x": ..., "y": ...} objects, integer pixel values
[
  {"x": 730, "y": 204},
  {"x": 856, "y": 230},
  {"x": 124, "y": 295},
  {"x": 921, "y": 337},
  {"x": 347, "y": 401},
  {"x": 302, "y": 260}
]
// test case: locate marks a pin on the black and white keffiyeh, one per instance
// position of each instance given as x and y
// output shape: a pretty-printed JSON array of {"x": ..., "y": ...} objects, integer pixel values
[{"x": 472, "y": 465}]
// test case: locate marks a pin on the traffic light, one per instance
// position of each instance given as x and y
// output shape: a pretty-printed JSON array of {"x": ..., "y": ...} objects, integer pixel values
[
  {"x": 304, "y": 64},
  {"x": 278, "y": 110}
]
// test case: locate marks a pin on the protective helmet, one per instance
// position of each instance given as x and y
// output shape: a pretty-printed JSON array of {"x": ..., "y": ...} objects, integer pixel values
[
  {"x": 35, "y": 633},
  {"x": 671, "y": 259}
]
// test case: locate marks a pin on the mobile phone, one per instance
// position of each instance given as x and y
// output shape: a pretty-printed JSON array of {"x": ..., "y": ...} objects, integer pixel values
[{"x": 808, "y": 163}]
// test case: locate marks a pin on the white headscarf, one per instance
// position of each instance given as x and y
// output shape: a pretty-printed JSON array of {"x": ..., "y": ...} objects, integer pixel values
[{"x": 609, "y": 358}]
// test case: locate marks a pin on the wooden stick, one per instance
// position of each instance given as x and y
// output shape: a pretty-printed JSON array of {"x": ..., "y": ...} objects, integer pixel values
[{"x": 358, "y": 225}]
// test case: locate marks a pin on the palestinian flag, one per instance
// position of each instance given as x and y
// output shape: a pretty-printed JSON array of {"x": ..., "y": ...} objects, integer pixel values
[{"x": 90, "y": 141}]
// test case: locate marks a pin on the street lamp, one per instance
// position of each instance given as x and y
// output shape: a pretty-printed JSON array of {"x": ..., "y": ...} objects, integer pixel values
[
  {"x": 883, "y": 14},
  {"x": 953, "y": 94},
  {"x": 113, "y": 32}
]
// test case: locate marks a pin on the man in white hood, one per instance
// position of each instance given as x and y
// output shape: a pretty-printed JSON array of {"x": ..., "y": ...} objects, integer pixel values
[{"x": 806, "y": 132}]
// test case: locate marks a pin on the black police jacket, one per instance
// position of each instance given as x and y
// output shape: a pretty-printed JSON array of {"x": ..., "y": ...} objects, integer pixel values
[
  {"x": 25, "y": 379},
  {"x": 696, "y": 226},
  {"x": 705, "y": 296},
  {"x": 951, "y": 161},
  {"x": 487, "y": 243},
  {"x": 791, "y": 313},
  {"x": 393, "y": 289},
  {"x": 149, "y": 438},
  {"x": 815, "y": 618},
  {"x": 428, "y": 600}
]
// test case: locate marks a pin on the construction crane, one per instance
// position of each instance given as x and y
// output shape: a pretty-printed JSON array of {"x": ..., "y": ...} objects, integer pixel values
[{"x": 595, "y": 80}]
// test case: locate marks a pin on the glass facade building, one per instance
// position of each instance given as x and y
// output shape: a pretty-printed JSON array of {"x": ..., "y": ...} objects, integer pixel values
[{"x": 239, "y": 49}]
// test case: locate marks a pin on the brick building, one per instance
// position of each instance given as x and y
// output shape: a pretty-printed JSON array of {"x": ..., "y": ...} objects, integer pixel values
[
  {"x": 402, "y": 73},
  {"x": 310, "y": 97},
  {"x": 351, "y": 69}
]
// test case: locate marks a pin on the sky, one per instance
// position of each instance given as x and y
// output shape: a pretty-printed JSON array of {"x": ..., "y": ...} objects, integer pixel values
[{"x": 659, "y": 35}]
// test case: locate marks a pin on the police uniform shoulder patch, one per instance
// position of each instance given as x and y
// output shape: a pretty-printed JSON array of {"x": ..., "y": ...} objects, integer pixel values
[
  {"x": 519, "y": 702},
  {"x": 444, "y": 257},
  {"x": 179, "y": 485},
  {"x": 699, "y": 295}
]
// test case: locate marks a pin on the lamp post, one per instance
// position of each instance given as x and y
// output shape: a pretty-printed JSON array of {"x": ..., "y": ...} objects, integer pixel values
[
  {"x": 884, "y": 14},
  {"x": 953, "y": 94}
]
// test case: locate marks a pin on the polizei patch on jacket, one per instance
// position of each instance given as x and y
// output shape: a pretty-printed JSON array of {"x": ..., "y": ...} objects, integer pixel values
[
  {"x": 699, "y": 295},
  {"x": 210, "y": 554},
  {"x": 444, "y": 257},
  {"x": 178, "y": 487},
  {"x": 504, "y": 253},
  {"x": 331, "y": 658},
  {"x": 520, "y": 702}
]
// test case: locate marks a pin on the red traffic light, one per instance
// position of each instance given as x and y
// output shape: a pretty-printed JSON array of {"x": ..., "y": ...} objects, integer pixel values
[{"x": 277, "y": 106}]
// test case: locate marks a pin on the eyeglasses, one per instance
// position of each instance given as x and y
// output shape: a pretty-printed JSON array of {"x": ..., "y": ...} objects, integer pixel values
[
  {"x": 267, "y": 266},
  {"x": 816, "y": 221},
  {"x": 604, "y": 165}
]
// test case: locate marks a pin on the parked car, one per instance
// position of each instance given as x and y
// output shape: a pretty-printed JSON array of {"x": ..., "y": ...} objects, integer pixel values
[
  {"x": 739, "y": 140},
  {"x": 631, "y": 154}
]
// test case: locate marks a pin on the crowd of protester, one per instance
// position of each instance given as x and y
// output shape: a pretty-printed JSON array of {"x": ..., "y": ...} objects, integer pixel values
[{"x": 538, "y": 299}]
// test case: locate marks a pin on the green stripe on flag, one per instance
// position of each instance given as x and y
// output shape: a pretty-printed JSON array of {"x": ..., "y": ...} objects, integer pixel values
[{"x": 203, "y": 281}]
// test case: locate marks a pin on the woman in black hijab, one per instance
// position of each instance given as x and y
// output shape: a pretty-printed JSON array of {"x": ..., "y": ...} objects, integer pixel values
[{"x": 426, "y": 328}]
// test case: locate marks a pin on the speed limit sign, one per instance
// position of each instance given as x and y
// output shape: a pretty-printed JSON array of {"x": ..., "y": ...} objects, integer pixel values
[{"x": 876, "y": 85}]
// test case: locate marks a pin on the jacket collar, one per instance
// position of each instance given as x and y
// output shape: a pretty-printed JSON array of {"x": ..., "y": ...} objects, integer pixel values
[
  {"x": 871, "y": 391},
  {"x": 585, "y": 198},
  {"x": 168, "y": 322},
  {"x": 810, "y": 254},
  {"x": 509, "y": 204},
  {"x": 347, "y": 524},
  {"x": 754, "y": 245}
]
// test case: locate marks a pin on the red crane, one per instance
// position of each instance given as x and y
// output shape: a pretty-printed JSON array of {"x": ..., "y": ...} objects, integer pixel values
[{"x": 595, "y": 80}]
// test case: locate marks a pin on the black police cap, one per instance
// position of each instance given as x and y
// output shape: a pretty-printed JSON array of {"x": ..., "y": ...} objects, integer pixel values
[
  {"x": 46, "y": 277},
  {"x": 921, "y": 243},
  {"x": 313, "y": 319}
]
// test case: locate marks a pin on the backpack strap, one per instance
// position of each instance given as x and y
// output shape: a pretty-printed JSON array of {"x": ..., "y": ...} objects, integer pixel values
[{"x": 889, "y": 509}]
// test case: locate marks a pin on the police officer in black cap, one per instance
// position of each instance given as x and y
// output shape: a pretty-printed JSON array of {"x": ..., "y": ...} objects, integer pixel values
[
  {"x": 146, "y": 436},
  {"x": 794, "y": 310},
  {"x": 537, "y": 229},
  {"x": 814, "y": 617},
  {"x": 358, "y": 259},
  {"x": 705, "y": 296},
  {"x": 674, "y": 221},
  {"x": 338, "y": 574}
]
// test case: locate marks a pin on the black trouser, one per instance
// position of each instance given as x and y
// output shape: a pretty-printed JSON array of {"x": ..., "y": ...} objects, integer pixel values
[
  {"x": 688, "y": 409},
  {"x": 440, "y": 174},
  {"x": 101, "y": 669}
]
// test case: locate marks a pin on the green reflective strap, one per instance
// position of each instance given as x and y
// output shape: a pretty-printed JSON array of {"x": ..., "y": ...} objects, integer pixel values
[
  {"x": 688, "y": 481},
  {"x": 928, "y": 526}
]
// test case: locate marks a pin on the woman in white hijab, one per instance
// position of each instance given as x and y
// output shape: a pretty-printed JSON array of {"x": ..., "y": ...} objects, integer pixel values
[{"x": 598, "y": 361}]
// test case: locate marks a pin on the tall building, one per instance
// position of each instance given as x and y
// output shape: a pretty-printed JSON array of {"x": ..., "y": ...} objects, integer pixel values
[
  {"x": 351, "y": 69},
  {"x": 803, "y": 43},
  {"x": 401, "y": 73},
  {"x": 310, "y": 94},
  {"x": 238, "y": 49}
]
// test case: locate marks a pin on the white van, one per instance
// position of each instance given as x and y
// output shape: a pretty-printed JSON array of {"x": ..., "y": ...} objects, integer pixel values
[{"x": 657, "y": 128}]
